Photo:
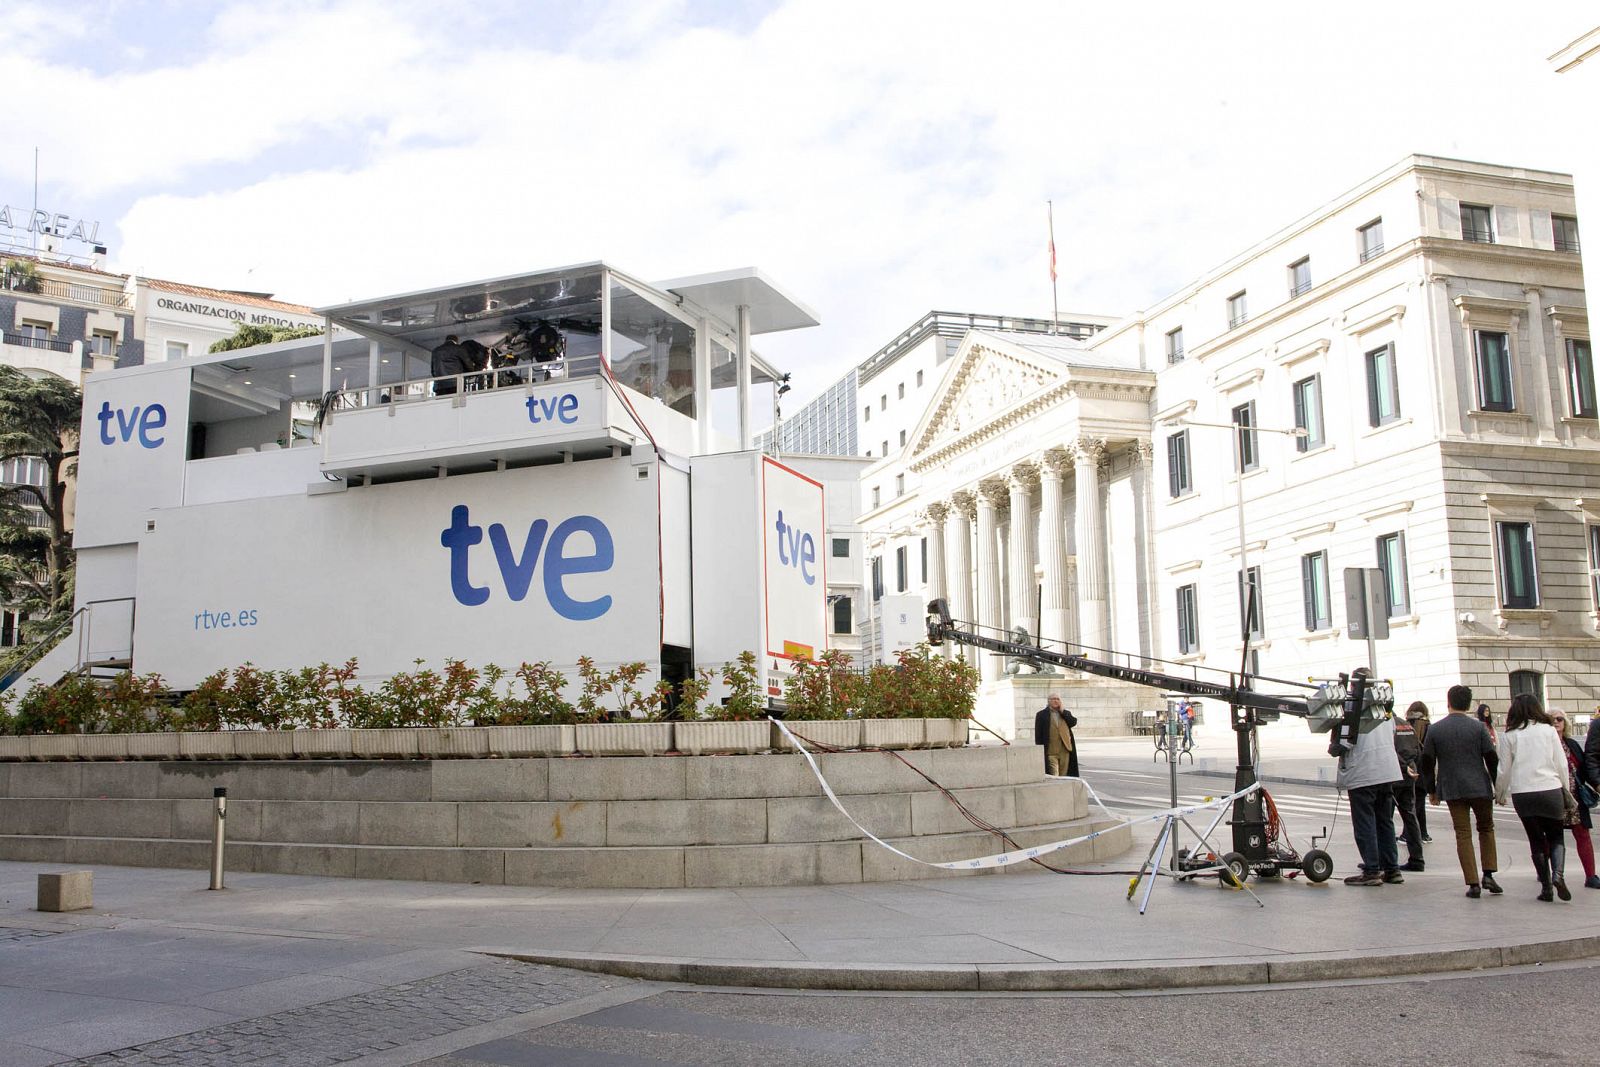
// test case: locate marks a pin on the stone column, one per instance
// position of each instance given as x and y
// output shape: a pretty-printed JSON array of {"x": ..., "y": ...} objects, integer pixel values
[
  {"x": 933, "y": 517},
  {"x": 1055, "y": 613},
  {"x": 1019, "y": 559},
  {"x": 1093, "y": 609},
  {"x": 991, "y": 494},
  {"x": 958, "y": 536},
  {"x": 1144, "y": 491}
]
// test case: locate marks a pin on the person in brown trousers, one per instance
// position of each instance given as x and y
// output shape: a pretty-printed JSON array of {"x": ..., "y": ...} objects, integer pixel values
[{"x": 1459, "y": 764}]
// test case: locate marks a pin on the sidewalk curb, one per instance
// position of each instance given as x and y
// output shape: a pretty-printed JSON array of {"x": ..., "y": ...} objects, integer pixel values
[{"x": 1059, "y": 977}]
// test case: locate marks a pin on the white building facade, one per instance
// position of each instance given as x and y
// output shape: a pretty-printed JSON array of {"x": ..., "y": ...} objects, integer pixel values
[{"x": 1426, "y": 332}]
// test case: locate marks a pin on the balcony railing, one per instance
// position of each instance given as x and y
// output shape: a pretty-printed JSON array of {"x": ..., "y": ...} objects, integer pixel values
[
  {"x": 82, "y": 294},
  {"x": 1372, "y": 252},
  {"x": 1473, "y": 233},
  {"x": 1299, "y": 289},
  {"x": 1567, "y": 244},
  {"x": 23, "y": 340}
]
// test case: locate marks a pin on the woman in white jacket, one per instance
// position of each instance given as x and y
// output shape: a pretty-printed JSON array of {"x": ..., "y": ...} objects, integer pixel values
[{"x": 1533, "y": 773}]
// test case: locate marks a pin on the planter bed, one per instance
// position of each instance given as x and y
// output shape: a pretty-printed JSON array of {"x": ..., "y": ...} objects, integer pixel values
[
  {"x": 835, "y": 733},
  {"x": 722, "y": 738},
  {"x": 624, "y": 738}
]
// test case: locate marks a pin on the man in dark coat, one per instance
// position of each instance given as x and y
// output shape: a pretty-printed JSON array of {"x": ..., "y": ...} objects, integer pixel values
[
  {"x": 1052, "y": 730},
  {"x": 449, "y": 358}
]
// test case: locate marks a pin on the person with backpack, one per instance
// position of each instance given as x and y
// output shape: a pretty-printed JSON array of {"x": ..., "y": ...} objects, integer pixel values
[{"x": 1409, "y": 751}]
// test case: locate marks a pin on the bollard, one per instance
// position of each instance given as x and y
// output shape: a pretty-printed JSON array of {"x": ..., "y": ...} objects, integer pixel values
[{"x": 218, "y": 835}]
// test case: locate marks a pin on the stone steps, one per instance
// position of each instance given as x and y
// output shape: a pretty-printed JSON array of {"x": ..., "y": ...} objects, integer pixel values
[
  {"x": 636, "y": 822},
  {"x": 640, "y": 867}
]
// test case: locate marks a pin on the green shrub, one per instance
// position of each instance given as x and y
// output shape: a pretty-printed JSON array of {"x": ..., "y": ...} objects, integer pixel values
[
  {"x": 745, "y": 702},
  {"x": 71, "y": 706},
  {"x": 820, "y": 688}
]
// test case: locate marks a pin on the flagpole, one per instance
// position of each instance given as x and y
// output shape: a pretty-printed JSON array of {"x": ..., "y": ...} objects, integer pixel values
[{"x": 1055, "y": 309}]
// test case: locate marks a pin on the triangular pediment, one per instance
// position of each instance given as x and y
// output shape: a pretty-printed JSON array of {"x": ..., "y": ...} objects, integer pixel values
[{"x": 987, "y": 379}]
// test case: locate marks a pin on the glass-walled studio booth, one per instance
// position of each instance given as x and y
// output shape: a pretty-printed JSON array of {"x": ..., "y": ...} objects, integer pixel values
[{"x": 674, "y": 356}]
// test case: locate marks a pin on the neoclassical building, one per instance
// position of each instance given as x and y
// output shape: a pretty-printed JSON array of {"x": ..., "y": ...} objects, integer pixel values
[{"x": 1412, "y": 367}]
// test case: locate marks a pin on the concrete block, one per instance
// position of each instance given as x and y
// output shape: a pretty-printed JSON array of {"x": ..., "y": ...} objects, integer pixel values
[
  {"x": 874, "y": 772},
  {"x": 29, "y": 849},
  {"x": 394, "y": 743},
  {"x": 310, "y": 822},
  {"x": 66, "y": 891},
  {"x": 5, "y": 778},
  {"x": 576, "y": 823},
  {"x": 933, "y": 813},
  {"x": 624, "y": 738},
  {"x": 121, "y": 817},
  {"x": 835, "y": 733},
  {"x": 206, "y": 746},
  {"x": 322, "y": 744},
  {"x": 1024, "y": 760},
  {"x": 478, "y": 866},
  {"x": 153, "y": 746},
  {"x": 181, "y": 780},
  {"x": 1050, "y": 802},
  {"x": 880, "y": 865},
  {"x": 46, "y": 779},
  {"x": 33, "y": 816},
  {"x": 192, "y": 820},
  {"x": 335, "y": 780},
  {"x": 119, "y": 779},
  {"x": 619, "y": 778},
  {"x": 521, "y": 742},
  {"x": 508, "y": 780},
  {"x": 264, "y": 744},
  {"x": 721, "y": 738},
  {"x": 140, "y": 852},
  {"x": 794, "y": 819},
  {"x": 948, "y": 733},
  {"x": 454, "y": 742},
  {"x": 893, "y": 733},
  {"x": 767, "y": 865},
  {"x": 1025, "y": 978},
  {"x": 685, "y": 822},
  {"x": 600, "y": 868},
  {"x": 327, "y": 861},
  {"x": 53, "y": 747},
  {"x": 13, "y": 748},
  {"x": 730, "y": 777},
  {"x": 402, "y": 823},
  {"x": 970, "y": 768},
  {"x": 103, "y": 746}
]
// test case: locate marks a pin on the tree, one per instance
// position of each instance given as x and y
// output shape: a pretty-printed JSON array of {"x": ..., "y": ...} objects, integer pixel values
[
  {"x": 246, "y": 335},
  {"x": 39, "y": 418},
  {"x": 20, "y": 275}
]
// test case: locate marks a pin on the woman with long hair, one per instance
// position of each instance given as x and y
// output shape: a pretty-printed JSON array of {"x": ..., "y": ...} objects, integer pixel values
[
  {"x": 1578, "y": 772},
  {"x": 1533, "y": 774}
]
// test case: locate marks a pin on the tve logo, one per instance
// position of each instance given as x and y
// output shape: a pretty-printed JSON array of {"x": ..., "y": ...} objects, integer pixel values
[
  {"x": 563, "y": 408},
  {"x": 796, "y": 549},
  {"x": 516, "y": 571},
  {"x": 151, "y": 418}
]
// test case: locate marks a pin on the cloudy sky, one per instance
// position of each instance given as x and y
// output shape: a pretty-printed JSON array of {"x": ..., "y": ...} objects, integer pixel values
[{"x": 878, "y": 158}]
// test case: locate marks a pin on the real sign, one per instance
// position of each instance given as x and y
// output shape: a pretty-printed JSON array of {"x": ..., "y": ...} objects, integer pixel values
[{"x": 795, "y": 590}]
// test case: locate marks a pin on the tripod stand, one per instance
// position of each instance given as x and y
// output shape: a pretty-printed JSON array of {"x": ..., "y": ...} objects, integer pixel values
[{"x": 1231, "y": 868}]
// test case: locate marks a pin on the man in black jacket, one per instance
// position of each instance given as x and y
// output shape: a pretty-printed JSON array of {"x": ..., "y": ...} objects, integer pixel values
[
  {"x": 1052, "y": 729},
  {"x": 1458, "y": 766},
  {"x": 1591, "y": 746},
  {"x": 449, "y": 358}
]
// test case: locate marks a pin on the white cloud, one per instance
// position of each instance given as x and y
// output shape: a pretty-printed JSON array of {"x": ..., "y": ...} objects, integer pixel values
[{"x": 880, "y": 159}]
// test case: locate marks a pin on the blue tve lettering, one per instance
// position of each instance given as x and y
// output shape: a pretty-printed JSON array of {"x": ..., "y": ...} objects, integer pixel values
[
  {"x": 141, "y": 421},
  {"x": 516, "y": 572},
  {"x": 563, "y": 408},
  {"x": 796, "y": 549}
]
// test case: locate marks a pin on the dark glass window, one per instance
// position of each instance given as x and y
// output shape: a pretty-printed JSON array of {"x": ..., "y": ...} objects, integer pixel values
[
  {"x": 1188, "y": 621},
  {"x": 1178, "y": 463},
  {"x": 1392, "y": 562},
  {"x": 1494, "y": 371},
  {"x": 1308, "y": 413},
  {"x": 1519, "y": 581},
  {"x": 1383, "y": 391},
  {"x": 1580, "y": 378},
  {"x": 1314, "y": 587}
]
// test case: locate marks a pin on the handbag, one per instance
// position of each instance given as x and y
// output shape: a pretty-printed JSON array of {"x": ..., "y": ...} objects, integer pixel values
[
  {"x": 1586, "y": 795},
  {"x": 1569, "y": 805}
]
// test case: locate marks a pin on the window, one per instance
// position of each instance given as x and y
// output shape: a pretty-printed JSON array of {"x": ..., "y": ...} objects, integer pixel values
[
  {"x": 102, "y": 344},
  {"x": 886, "y": 448},
  {"x": 1314, "y": 588},
  {"x": 866, "y": 413},
  {"x": 1237, "y": 313},
  {"x": 1246, "y": 454},
  {"x": 902, "y": 439},
  {"x": 1371, "y": 239},
  {"x": 1178, "y": 464},
  {"x": 1580, "y": 379},
  {"x": 843, "y": 615},
  {"x": 1527, "y": 683},
  {"x": 1383, "y": 393},
  {"x": 875, "y": 496},
  {"x": 1175, "y": 346},
  {"x": 899, "y": 485},
  {"x": 900, "y": 569},
  {"x": 1594, "y": 565},
  {"x": 33, "y": 333},
  {"x": 1392, "y": 562},
  {"x": 1188, "y": 621},
  {"x": 1494, "y": 371},
  {"x": 22, "y": 470},
  {"x": 902, "y": 394},
  {"x": 1477, "y": 223},
  {"x": 1566, "y": 232},
  {"x": 924, "y": 561},
  {"x": 1308, "y": 413},
  {"x": 1519, "y": 581},
  {"x": 883, "y": 402},
  {"x": 919, "y": 379},
  {"x": 877, "y": 577},
  {"x": 1299, "y": 277},
  {"x": 177, "y": 350},
  {"x": 10, "y": 628},
  {"x": 841, "y": 548},
  {"x": 1254, "y": 606}
]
